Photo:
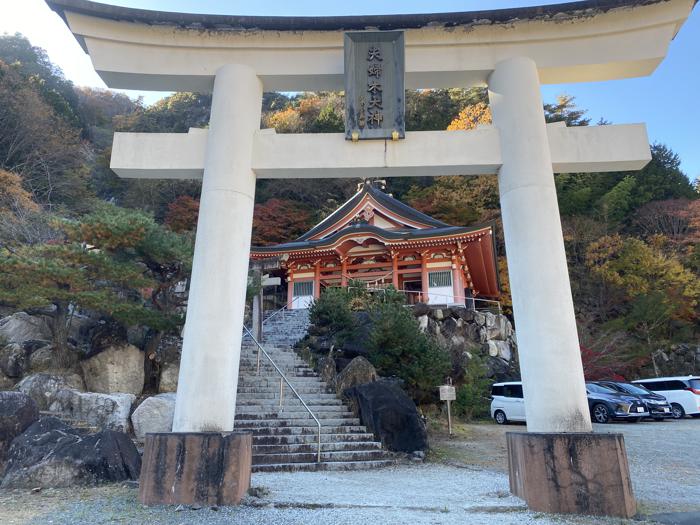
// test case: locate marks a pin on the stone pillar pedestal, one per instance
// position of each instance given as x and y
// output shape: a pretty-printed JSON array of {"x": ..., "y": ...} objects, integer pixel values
[
  {"x": 581, "y": 473},
  {"x": 195, "y": 468}
]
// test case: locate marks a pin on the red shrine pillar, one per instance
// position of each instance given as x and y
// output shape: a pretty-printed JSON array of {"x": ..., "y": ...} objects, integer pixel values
[
  {"x": 457, "y": 287},
  {"x": 343, "y": 271},
  {"x": 317, "y": 280},
  {"x": 395, "y": 270},
  {"x": 424, "y": 278},
  {"x": 290, "y": 290}
]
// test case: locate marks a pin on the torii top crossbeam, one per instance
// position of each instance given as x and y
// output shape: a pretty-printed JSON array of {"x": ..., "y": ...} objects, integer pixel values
[
  {"x": 573, "y": 42},
  {"x": 512, "y": 51}
]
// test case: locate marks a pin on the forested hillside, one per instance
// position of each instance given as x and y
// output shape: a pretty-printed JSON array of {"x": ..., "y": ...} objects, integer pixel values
[{"x": 632, "y": 239}]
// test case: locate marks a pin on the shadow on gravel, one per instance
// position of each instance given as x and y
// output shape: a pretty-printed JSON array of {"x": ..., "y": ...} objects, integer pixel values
[{"x": 675, "y": 518}]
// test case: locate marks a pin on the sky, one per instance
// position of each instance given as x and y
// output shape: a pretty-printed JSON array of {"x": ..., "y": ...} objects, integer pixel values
[{"x": 667, "y": 101}]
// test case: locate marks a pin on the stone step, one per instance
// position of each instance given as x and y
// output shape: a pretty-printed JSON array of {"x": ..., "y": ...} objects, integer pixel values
[
  {"x": 310, "y": 457},
  {"x": 288, "y": 403},
  {"x": 302, "y": 439},
  {"x": 272, "y": 406},
  {"x": 274, "y": 386},
  {"x": 311, "y": 448},
  {"x": 301, "y": 430},
  {"x": 285, "y": 438},
  {"x": 296, "y": 422},
  {"x": 275, "y": 391},
  {"x": 329, "y": 465},
  {"x": 297, "y": 414},
  {"x": 275, "y": 381},
  {"x": 308, "y": 399},
  {"x": 268, "y": 369},
  {"x": 290, "y": 416}
]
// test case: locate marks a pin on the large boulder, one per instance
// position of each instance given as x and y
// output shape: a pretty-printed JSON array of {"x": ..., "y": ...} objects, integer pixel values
[
  {"x": 51, "y": 454},
  {"x": 81, "y": 328},
  {"x": 358, "y": 372},
  {"x": 500, "y": 349},
  {"x": 13, "y": 360},
  {"x": 420, "y": 309},
  {"x": 391, "y": 415},
  {"x": 43, "y": 388},
  {"x": 327, "y": 370},
  {"x": 6, "y": 383},
  {"x": 118, "y": 368},
  {"x": 20, "y": 327},
  {"x": 168, "y": 358},
  {"x": 104, "y": 411},
  {"x": 498, "y": 327},
  {"x": 169, "y": 375},
  {"x": 155, "y": 414},
  {"x": 20, "y": 359},
  {"x": 46, "y": 357},
  {"x": 17, "y": 412}
]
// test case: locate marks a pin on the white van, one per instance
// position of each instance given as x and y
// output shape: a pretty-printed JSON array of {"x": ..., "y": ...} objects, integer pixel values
[
  {"x": 682, "y": 392},
  {"x": 507, "y": 402}
]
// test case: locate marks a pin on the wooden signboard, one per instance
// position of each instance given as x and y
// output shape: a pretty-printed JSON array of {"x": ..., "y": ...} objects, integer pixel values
[
  {"x": 448, "y": 393},
  {"x": 374, "y": 85}
]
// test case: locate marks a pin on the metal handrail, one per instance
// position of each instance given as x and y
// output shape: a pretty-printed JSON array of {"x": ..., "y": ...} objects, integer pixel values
[
  {"x": 283, "y": 379},
  {"x": 286, "y": 306}
]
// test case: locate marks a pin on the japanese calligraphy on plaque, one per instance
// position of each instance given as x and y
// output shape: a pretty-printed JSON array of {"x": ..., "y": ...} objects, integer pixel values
[{"x": 374, "y": 85}]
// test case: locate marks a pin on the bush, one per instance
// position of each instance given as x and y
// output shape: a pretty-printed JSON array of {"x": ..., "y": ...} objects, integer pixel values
[
  {"x": 473, "y": 397},
  {"x": 332, "y": 312},
  {"x": 398, "y": 348}
]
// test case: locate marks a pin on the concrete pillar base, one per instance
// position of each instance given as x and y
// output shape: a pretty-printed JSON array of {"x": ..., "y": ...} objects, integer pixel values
[
  {"x": 195, "y": 468},
  {"x": 582, "y": 473}
]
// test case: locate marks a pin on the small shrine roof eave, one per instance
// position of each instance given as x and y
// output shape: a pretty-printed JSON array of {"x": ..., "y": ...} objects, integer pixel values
[
  {"x": 401, "y": 236},
  {"x": 560, "y": 12},
  {"x": 382, "y": 198}
]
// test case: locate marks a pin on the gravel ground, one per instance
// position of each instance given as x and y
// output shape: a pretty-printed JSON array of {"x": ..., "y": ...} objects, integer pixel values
[{"x": 464, "y": 482}]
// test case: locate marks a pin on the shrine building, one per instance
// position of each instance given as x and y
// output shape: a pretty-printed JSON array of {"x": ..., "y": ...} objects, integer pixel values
[{"x": 377, "y": 240}]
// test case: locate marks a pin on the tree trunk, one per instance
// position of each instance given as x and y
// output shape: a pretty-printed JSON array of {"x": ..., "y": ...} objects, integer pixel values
[
  {"x": 58, "y": 323},
  {"x": 152, "y": 362}
]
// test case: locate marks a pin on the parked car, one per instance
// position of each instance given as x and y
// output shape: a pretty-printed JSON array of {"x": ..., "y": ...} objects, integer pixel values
[
  {"x": 682, "y": 392},
  {"x": 606, "y": 404},
  {"x": 657, "y": 405},
  {"x": 507, "y": 402}
]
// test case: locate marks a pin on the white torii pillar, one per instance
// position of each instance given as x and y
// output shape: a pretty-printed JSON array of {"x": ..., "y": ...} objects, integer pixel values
[
  {"x": 211, "y": 349},
  {"x": 550, "y": 363}
]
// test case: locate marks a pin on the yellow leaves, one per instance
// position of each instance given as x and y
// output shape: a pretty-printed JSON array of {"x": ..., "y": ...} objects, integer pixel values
[
  {"x": 639, "y": 268},
  {"x": 285, "y": 121},
  {"x": 12, "y": 195},
  {"x": 471, "y": 117}
]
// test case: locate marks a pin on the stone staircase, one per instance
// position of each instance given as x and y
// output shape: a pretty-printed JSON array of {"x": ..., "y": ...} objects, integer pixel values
[{"x": 285, "y": 437}]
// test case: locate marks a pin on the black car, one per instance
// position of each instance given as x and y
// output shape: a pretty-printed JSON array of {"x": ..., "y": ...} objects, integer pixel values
[
  {"x": 657, "y": 405},
  {"x": 606, "y": 404}
]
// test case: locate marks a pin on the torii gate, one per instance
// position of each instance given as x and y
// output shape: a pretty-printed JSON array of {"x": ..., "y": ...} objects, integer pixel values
[{"x": 512, "y": 51}]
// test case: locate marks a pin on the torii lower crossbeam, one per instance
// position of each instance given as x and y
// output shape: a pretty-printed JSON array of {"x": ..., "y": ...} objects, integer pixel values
[{"x": 423, "y": 153}]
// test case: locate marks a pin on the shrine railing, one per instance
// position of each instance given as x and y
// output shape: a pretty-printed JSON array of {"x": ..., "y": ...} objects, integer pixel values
[
  {"x": 475, "y": 303},
  {"x": 283, "y": 380}
]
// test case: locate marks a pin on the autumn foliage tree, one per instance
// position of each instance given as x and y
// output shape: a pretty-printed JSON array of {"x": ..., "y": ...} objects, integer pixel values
[
  {"x": 182, "y": 214},
  {"x": 659, "y": 295},
  {"x": 279, "y": 220},
  {"x": 471, "y": 117}
]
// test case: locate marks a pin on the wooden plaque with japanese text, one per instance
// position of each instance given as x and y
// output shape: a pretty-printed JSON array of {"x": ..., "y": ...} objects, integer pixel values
[{"x": 374, "y": 85}]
